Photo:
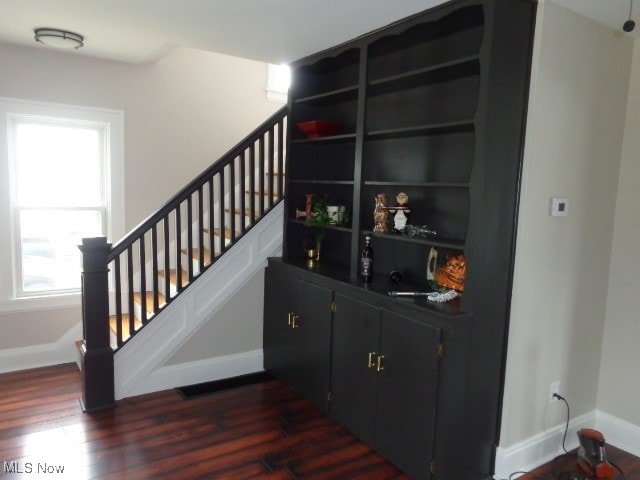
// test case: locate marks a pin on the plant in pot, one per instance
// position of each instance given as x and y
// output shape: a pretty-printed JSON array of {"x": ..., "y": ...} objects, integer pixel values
[{"x": 321, "y": 218}]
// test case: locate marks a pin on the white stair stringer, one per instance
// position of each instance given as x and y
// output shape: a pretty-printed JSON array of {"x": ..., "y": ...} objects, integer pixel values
[{"x": 135, "y": 363}]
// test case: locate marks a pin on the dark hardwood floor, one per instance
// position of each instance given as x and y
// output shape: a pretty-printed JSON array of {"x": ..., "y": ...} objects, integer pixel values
[
  {"x": 562, "y": 467},
  {"x": 260, "y": 431}
]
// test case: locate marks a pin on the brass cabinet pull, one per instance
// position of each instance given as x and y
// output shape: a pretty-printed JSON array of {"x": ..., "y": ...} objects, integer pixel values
[
  {"x": 294, "y": 320},
  {"x": 289, "y": 318},
  {"x": 372, "y": 362},
  {"x": 380, "y": 365}
]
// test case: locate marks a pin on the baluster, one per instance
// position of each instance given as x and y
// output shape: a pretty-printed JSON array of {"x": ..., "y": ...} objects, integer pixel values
[
  {"x": 270, "y": 167},
  {"x": 178, "y": 251},
  {"x": 154, "y": 266},
  {"x": 167, "y": 260},
  {"x": 252, "y": 182},
  {"x": 280, "y": 159},
  {"x": 261, "y": 191},
  {"x": 130, "y": 280},
  {"x": 211, "y": 221},
  {"x": 200, "y": 231},
  {"x": 232, "y": 202},
  {"x": 143, "y": 282},
  {"x": 221, "y": 210},
  {"x": 189, "y": 227},
  {"x": 118, "y": 286},
  {"x": 241, "y": 188}
]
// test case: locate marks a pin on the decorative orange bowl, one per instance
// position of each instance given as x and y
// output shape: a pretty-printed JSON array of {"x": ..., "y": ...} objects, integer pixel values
[{"x": 319, "y": 128}]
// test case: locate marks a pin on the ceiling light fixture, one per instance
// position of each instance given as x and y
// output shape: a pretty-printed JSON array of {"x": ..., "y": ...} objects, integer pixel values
[
  {"x": 629, "y": 25},
  {"x": 58, "y": 38}
]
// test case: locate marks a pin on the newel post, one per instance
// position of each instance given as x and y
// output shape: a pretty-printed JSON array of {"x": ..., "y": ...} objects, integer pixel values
[{"x": 96, "y": 352}]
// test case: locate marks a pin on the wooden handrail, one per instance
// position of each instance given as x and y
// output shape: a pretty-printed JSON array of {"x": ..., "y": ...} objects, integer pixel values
[{"x": 192, "y": 186}]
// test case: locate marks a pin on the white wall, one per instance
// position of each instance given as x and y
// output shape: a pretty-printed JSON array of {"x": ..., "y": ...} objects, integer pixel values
[
  {"x": 573, "y": 148},
  {"x": 619, "y": 389},
  {"x": 181, "y": 114}
]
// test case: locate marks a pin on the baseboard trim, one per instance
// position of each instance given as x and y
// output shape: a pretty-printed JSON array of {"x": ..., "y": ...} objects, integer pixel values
[
  {"x": 540, "y": 448},
  {"x": 619, "y": 433},
  {"x": 544, "y": 447},
  {"x": 44, "y": 355},
  {"x": 201, "y": 371}
]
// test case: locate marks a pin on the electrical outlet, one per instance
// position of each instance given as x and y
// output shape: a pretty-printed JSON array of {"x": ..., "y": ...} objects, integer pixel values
[{"x": 553, "y": 389}]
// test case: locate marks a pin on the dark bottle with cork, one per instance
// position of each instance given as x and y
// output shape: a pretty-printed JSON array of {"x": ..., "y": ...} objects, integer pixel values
[{"x": 366, "y": 261}]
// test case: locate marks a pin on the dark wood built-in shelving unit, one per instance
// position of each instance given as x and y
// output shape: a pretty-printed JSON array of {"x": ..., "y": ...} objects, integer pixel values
[{"x": 433, "y": 106}]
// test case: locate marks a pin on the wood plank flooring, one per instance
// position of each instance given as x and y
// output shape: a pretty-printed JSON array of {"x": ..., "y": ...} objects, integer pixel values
[
  {"x": 562, "y": 466},
  {"x": 260, "y": 431}
]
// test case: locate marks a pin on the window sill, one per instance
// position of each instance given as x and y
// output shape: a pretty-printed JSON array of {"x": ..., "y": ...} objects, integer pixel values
[{"x": 44, "y": 302}]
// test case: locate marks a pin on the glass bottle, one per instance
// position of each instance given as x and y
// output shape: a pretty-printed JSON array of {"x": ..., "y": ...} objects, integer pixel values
[{"x": 366, "y": 261}]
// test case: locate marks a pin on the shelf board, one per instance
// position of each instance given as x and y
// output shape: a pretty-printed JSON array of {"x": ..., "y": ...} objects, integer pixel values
[
  {"x": 336, "y": 95},
  {"x": 445, "y": 71},
  {"x": 428, "y": 129},
  {"x": 434, "y": 242},
  {"x": 329, "y": 227},
  {"x": 417, "y": 184},
  {"x": 323, "y": 182},
  {"x": 330, "y": 138}
]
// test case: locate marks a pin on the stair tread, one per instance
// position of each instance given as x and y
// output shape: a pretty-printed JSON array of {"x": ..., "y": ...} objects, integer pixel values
[
  {"x": 137, "y": 297},
  {"x": 227, "y": 232},
  {"x": 173, "y": 276},
  {"x": 247, "y": 212},
  {"x": 266, "y": 193},
  {"x": 113, "y": 324},
  {"x": 206, "y": 254}
]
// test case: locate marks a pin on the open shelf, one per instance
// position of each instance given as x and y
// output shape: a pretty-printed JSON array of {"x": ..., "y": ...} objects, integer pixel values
[
  {"x": 446, "y": 71},
  {"x": 330, "y": 138},
  {"x": 426, "y": 129},
  {"x": 339, "y": 95},
  {"x": 417, "y": 184},
  {"x": 433, "y": 242}
]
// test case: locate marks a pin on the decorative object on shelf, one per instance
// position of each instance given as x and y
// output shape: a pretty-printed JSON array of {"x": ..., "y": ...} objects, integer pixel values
[
  {"x": 301, "y": 214},
  {"x": 395, "y": 276},
  {"x": 435, "y": 296},
  {"x": 366, "y": 261},
  {"x": 319, "y": 128},
  {"x": 419, "y": 232},
  {"x": 308, "y": 205},
  {"x": 319, "y": 219},
  {"x": 311, "y": 250},
  {"x": 381, "y": 214},
  {"x": 442, "y": 297},
  {"x": 446, "y": 269},
  {"x": 400, "y": 212},
  {"x": 337, "y": 211}
]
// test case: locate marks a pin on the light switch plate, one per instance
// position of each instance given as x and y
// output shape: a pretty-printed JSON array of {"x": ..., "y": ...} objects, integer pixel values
[{"x": 559, "y": 207}]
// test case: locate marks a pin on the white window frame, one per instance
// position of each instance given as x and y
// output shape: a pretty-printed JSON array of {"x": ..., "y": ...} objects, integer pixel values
[
  {"x": 276, "y": 91},
  {"x": 11, "y": 300}
]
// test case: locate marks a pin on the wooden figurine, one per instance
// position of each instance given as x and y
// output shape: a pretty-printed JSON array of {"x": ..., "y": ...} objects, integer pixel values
[{"x": 380, "y": 213}]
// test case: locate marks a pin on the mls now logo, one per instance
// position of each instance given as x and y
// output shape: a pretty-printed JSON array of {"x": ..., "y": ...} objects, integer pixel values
[{"x": 29, "y": 467}]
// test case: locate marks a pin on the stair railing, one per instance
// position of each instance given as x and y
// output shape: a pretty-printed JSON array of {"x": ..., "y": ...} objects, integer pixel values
[{"x": 126, "y": 285}]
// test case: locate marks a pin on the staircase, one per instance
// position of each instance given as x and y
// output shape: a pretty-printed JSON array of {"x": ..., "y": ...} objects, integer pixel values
[{"x": 132, "y": 285}]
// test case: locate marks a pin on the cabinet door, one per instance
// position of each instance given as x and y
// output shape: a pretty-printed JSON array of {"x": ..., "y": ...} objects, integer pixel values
[
  {"x": 311, "y": 342},
  {"x": 356, "y": 337},
  {"x": 278, "y": 336},
  {"x": 297, "y": 335},
  {"x": 407, "y": 393}
]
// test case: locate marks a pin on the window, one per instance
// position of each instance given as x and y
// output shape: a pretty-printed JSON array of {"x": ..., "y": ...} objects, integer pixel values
[
  {"x": 278, "y": 80},
  {"x": 64, "y": 169}
]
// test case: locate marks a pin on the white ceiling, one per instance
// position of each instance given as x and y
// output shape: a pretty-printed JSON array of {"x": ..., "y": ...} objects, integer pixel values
[{"x": 277, "y": 31}]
